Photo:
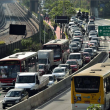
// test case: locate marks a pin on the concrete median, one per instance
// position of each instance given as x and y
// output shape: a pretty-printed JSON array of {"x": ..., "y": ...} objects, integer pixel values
[{"x": 48, "y": 93}]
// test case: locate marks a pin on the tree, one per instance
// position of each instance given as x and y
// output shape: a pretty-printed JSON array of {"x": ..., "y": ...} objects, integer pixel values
[{"x": 60, "y": 8}]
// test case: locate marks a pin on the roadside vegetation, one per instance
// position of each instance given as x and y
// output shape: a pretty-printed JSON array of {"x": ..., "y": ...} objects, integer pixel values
[{"x": 94, "y": 107}]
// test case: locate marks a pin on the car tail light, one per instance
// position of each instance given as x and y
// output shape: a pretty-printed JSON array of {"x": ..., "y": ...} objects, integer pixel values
[
  {"x": 75, "y": 99},
  {"x": 99, "y": 99}
]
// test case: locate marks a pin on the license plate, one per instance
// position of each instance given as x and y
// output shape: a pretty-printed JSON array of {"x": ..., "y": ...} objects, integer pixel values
[{"x": 87, "y": 102}]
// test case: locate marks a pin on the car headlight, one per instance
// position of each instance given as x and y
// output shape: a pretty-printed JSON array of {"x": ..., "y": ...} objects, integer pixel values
[
  {"x": 16, "y": 101},
  {"x": 3, "y": 101}
]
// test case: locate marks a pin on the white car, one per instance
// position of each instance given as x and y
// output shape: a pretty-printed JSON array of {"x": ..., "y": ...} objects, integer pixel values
[
  {"x": 92, "y": 35},
  {"x": 78, "y": 32},
  {"x": 52, "y": 79},
  {"x": 70, "y": 23},
  {"x": 78, "y": 57},
  {"x": 60, "y": 72}
]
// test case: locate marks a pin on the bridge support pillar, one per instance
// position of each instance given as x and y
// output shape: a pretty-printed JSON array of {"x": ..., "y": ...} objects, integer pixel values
[
  {"x": 34, "y": 5},
  {"x": 94, "y": 8}
]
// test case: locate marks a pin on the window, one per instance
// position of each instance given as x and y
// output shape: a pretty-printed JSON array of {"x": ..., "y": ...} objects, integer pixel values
[
  {"x": 107, "y": 84},
  {"x": 87, "y": 84}
]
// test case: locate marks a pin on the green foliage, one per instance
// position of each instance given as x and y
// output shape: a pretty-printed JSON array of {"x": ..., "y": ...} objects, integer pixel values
[
  {"x": 26, "y": 42},
  {"x": 94, "y": 107},
  {"x": 66, "y": 35},
  {"x": 26, "y": 3},
  {"x": 59, "y": 8},
  {"x": 2, "y": 42},
  {"x": 16, "y": 50}
]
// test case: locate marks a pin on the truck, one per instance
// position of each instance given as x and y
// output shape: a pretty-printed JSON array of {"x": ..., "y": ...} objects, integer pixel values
[
  {"x": 46, "y": 57},
  {"x": 31, "y": 81}
]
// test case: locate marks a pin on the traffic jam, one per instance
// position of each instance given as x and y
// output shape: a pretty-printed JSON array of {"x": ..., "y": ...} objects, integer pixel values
[{"x": 57, "y": 59}]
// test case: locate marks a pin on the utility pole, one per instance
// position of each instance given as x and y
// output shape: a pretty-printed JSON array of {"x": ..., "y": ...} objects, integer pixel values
[{"x": 39, "y": 23}]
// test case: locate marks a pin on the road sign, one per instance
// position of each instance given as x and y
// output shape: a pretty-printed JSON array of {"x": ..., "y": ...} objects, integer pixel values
[
  {"x": 103, "y": 30},
  {"x": 16, "y": 29},
  {"x": 61, "y": 19}
]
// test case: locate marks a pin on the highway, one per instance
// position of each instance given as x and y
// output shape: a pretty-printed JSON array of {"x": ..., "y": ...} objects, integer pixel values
[{"x": 63, "y": 101}]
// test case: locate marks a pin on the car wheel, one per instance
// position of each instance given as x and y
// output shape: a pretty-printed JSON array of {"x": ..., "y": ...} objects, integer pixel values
[{"x": 3, "y": 107}]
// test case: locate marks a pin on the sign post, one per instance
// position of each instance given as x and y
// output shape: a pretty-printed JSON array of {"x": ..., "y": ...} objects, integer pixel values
[{"x": 103, "y": 30}]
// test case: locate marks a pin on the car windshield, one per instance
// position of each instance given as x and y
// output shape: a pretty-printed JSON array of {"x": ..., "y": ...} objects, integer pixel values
[
  {"x": 88, "y": 50},
  {"x": 87, "y": 84},
  {"x": 42, "y": 61},
  {"x": 13, "y": 94},
  {"x": 71, "y": 62},
  {"x": 73, "y": 45},
  {"x": 25, "y": 79},
  {"x": 74, "y": 56},
  {"x": 76, "y": 39},
  {"x": 92, "y": 34},
  {"x": 86, "y": 54},
  {"x": 76, "y": 34},
  {"x": 41, "y": 66},
  {"x": 58, "y": 70}
]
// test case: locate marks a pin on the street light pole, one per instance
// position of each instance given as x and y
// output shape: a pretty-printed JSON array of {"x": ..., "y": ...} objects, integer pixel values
[
  {"x": 39, "y": 24},
  {"x": 44, "y": 34}
]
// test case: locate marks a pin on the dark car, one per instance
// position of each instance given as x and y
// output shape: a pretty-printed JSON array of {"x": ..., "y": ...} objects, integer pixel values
[
  {"x": 14, "y": 96},
  {"x": 42, "y": 68},
  {"x": 68, "y": 67}
]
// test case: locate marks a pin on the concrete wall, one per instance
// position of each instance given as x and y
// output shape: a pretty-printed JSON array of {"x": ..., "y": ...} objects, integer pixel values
[{"x": 41, "y": 97}]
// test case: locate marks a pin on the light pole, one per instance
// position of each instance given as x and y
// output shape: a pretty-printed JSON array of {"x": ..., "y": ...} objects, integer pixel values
[
  {"x": 44, "y": 34},
  {"x": 39, "y": 24}
]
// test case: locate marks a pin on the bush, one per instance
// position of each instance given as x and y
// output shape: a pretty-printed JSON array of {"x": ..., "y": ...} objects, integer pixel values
[
  {"x": 2, "y": 42},
  {"x": 94, "y": 107},
  {"x": 16, "y": 50}
]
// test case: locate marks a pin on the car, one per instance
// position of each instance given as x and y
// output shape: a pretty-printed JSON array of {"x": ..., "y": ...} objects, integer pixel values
[
  {"x": 79, "y": 32},
  {"x": 52, "y": 79},
  {"x": 91, "y": 22},
  {"x": 78, "y": 57},
  {"x": 87, "y": 57},
  {"x": 60, "y": 72},
  {"x": 95, "y": 49},
  {"x": 92, "y": 18},
  {"x": 14, "y": 96},
  {"x": 78, "y": 43},
  {"x": 77, "y": 39},
  {"x": 74, "y": 47},
  {"x": 74, "y": 64},
  {"x": 70, "y": 23},
  {"x": 90, "y": 44},
  {"x": 90, "y": 50},
  {"x": 94, "y": 31},
  {"x": 95, "y": 42},
  {"x": 96, "y": 38},
  {"x": 68, "y": 67},
  {"x": 43, "y": 69},
  {"x": 91, "y": 35}
]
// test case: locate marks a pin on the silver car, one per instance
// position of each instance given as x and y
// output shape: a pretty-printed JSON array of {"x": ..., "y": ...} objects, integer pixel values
[{"x": 74, "y": 47}]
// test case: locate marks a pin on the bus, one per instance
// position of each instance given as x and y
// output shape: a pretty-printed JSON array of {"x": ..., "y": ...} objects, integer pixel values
[
  {"x": 61, "y": 50},
  {"x": 91, "y": 86},
  {"x": 18, "y": 62}
]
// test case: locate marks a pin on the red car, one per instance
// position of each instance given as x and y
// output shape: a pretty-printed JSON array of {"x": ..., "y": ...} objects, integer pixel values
[
  {"x": 87, "y": 57},
  {"x": 74, "y": 64}
]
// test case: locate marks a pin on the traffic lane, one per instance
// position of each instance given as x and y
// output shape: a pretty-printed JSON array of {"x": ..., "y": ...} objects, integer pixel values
[
  {"x": 102, "y": 22},
  {"x": 60, "y": 102},
  {"x": 63, "y": 102}
]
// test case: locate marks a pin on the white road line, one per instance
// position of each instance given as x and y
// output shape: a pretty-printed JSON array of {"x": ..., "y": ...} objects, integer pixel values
[{"x": 53, "y": 99}]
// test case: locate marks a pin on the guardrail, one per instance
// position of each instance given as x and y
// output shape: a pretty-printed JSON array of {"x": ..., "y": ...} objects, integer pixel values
[{"x": 42, "y": 96}]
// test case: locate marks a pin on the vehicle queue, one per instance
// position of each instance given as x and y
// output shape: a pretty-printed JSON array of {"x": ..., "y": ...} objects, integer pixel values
[{"x": 65, "y": 52}]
